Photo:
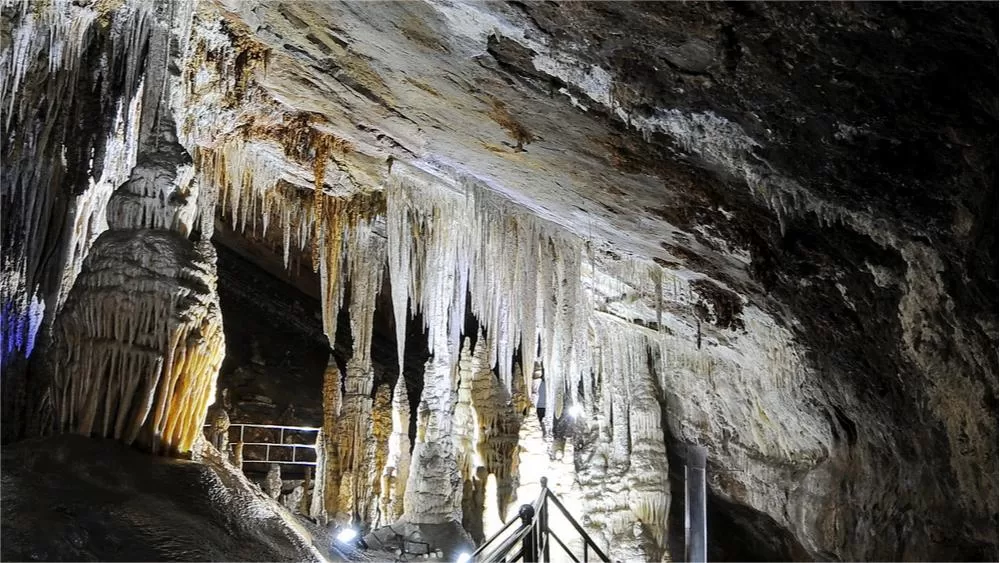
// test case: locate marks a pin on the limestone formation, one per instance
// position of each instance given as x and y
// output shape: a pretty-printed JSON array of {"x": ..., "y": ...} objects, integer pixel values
[
  {"x": 139, "y": 342},
  {"x": 217, "y": 420},
  {"x": 272, "y": 482},
  {"x": 397, "y": 465}
]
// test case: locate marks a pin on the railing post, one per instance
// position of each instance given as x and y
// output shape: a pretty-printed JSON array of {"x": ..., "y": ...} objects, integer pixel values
[
  {"x": 530, "y": 542},
  {"x": 695, "y": 528},
  {"x": 543, "y": 519}
]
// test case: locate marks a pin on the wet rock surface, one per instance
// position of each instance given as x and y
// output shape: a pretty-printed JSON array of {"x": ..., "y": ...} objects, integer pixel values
[{"x": 71, "y": 498}]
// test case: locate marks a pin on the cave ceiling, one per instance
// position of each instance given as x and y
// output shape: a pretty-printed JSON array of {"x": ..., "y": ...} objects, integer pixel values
[{"x": 675, "y": 132}]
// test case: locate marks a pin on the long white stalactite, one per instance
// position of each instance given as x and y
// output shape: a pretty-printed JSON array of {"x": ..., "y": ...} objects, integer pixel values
[{"x": 521, "y": 274}]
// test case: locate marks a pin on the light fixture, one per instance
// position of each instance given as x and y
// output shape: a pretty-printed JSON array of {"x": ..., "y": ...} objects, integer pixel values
[
  {"x": 576, "y": 410},
  {"x": 347, "y": 535},
  {"x": 463, "y": 558}
]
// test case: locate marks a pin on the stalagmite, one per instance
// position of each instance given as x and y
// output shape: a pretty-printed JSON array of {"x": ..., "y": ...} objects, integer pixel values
[
  {"x": 464, "y": 427},
  {"x": 397, "y": 465},
  {"x": 433, "y": 491},
  {"x": 317, "y": 505},
  {"x": 463, "y": 436},
  {"x": 139, "y": 342},
  {"x": 381, "y": 432},
  {"x": 630, "y": 438},
  {"x": 331, "y": 468},
  {"x": 497, "y": 425}
]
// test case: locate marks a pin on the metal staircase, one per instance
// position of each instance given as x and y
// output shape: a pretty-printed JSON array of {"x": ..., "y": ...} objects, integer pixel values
[{"x": 528, "y": 537}]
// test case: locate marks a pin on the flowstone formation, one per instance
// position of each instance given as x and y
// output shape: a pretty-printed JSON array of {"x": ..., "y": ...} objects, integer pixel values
[
  {"x": 138, "y": 345},
  {"x": 767, "y": 229},
  {"x": 134, "y": 341}
]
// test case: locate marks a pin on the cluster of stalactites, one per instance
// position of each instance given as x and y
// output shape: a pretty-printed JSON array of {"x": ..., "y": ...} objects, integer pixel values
[
  {"x": 139, "y": 342},
  {"x": 522, "y": 275},
  {"x": 47, "y": 65},
  {"x": 252, "y": 194}
]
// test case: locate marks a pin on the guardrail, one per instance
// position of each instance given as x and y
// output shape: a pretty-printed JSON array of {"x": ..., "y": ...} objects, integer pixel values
[
  {"x": 531, "y": 541},
  {"x": 279, "y": 445}
]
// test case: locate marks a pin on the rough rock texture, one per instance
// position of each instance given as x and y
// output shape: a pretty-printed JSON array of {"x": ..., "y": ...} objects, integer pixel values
[
  {"x": 788, "y": 211},
  {"x": 138, "y": 345},
  {"x": 70, "y": 137},
  {"x": 70, "y": 498}
]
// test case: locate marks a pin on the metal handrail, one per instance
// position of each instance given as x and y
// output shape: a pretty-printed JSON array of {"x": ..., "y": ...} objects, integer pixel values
[
  {"x": 508, "y": 544},
  {"x": 279, "y": 444},
  {"x": 530, "y": 542},
  {"x": 505, "y": 527}
]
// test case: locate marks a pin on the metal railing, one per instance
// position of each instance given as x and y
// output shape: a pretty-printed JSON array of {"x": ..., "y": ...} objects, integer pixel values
[
  {"x": 531, "y": 540},
  {"x": 279, "y": 445}
]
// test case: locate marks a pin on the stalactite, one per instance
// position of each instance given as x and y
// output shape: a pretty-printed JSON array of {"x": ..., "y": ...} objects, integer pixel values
[
  {"x": 59, "y": 172},
  {"x": 139, "y": 343}
]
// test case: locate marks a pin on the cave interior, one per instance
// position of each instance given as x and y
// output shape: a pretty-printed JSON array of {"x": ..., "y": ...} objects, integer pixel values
[{"x": 277, "y": 272}]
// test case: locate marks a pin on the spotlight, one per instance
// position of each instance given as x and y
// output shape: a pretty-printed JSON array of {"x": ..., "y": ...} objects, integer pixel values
[
  {"x": 576, "y": 410},
  {"x": 463, "y": 558},
  {"x": 347, "y": 536}
]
